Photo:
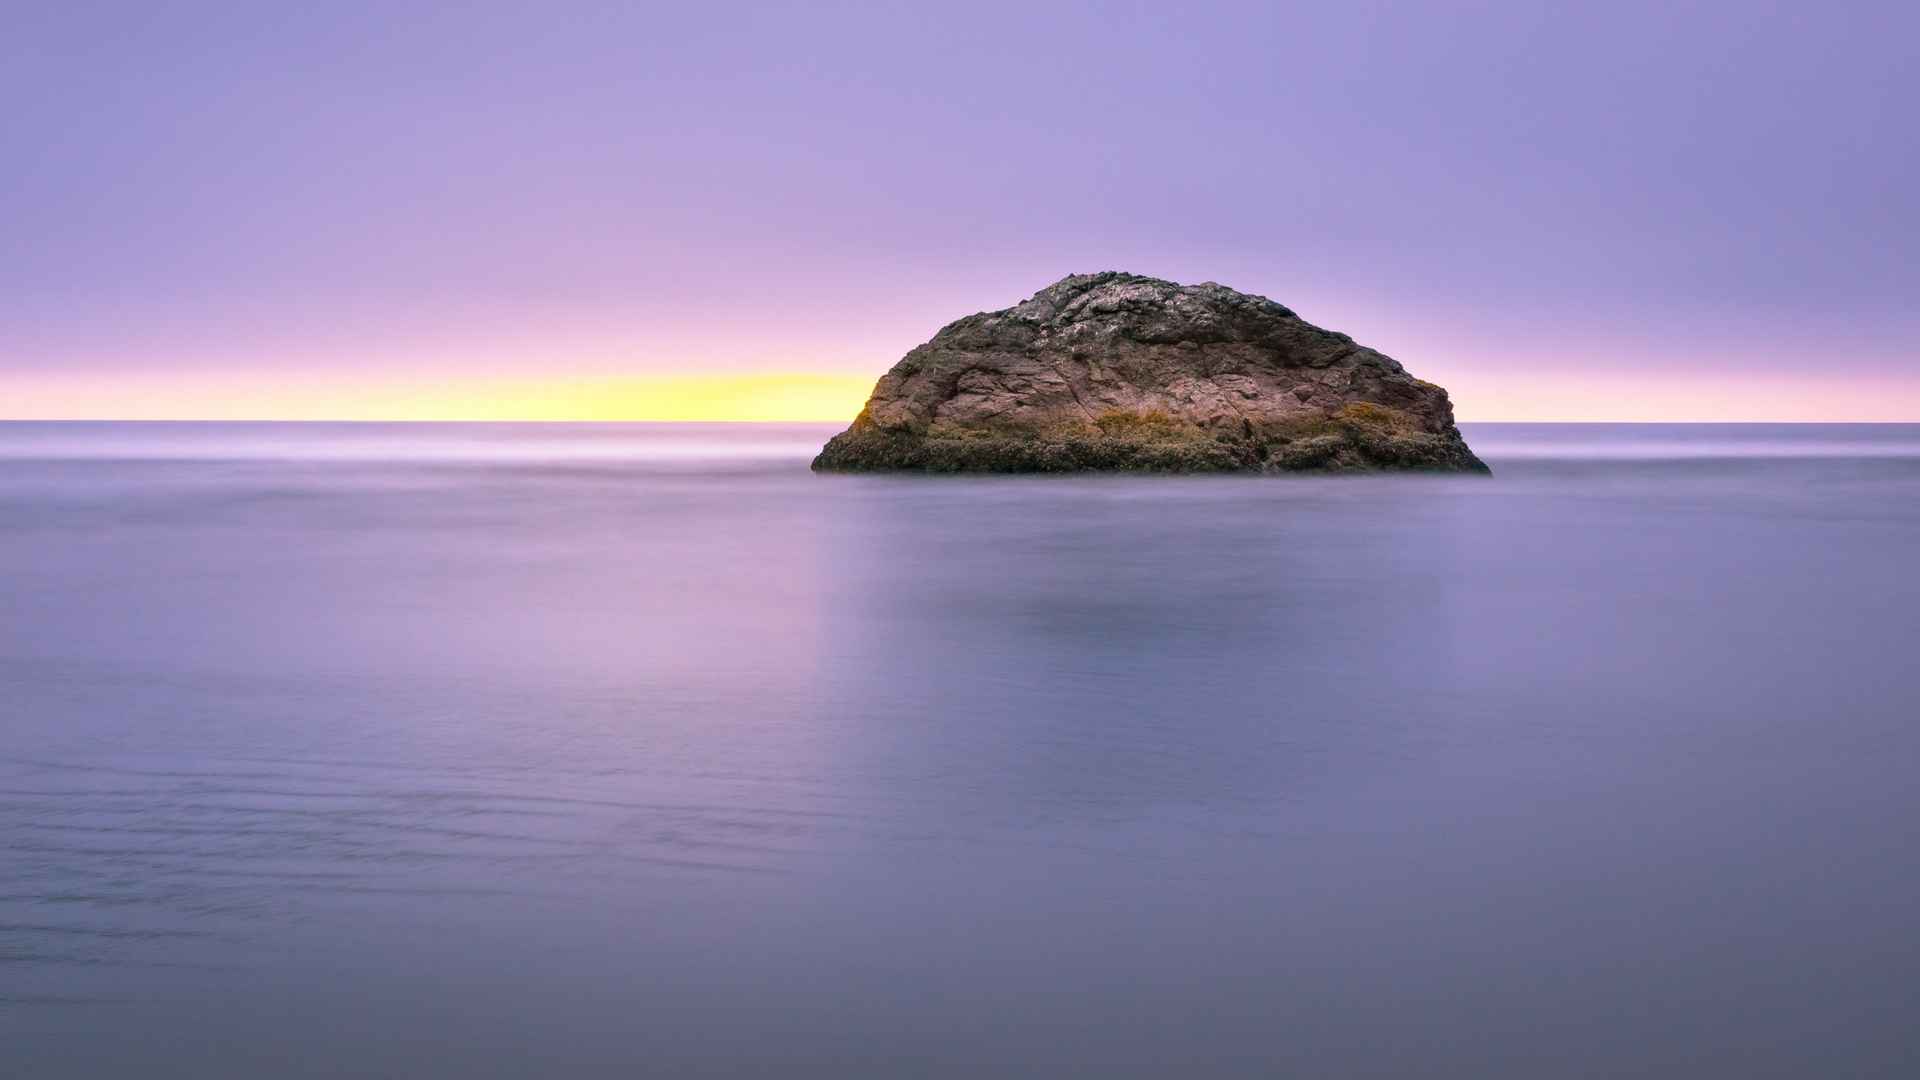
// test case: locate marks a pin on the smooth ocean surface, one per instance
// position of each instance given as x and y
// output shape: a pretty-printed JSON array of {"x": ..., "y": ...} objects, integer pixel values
[{"x": 611, "y": 751}]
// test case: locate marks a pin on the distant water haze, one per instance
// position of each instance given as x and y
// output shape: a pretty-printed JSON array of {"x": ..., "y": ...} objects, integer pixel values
[{"x": 613, "y": 750}]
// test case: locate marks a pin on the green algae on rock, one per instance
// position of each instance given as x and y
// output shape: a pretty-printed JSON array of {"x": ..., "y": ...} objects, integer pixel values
[{"x": 1118, "y": 372}]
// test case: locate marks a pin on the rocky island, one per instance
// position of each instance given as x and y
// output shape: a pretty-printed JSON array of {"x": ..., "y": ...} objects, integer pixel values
[{"x": 1116, "y": 371}]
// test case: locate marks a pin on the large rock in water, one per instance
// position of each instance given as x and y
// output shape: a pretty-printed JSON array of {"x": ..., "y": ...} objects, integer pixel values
[{"x": 1121, "y": 372}]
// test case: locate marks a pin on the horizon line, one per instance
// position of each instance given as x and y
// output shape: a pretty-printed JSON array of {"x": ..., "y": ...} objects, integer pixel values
[
  {"x": 837, "y": 397},
  {"x": 794, "y": 420}
]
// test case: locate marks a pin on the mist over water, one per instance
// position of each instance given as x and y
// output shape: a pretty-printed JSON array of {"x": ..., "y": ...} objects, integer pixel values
[{"x": 615, "y": 750}]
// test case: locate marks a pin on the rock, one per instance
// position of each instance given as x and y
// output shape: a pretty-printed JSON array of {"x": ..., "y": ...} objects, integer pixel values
[{"x": 1115, "y": 371}]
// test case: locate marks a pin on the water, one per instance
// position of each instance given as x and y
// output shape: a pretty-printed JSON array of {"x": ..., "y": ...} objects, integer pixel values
[{"x": 480, "y": 751}]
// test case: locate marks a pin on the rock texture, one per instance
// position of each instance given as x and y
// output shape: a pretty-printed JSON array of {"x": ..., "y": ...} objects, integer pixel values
[{"x": 1116, "y": 371}]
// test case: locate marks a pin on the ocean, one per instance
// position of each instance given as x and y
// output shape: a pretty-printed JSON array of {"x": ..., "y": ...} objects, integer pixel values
[{"x": 627, "y": 750}]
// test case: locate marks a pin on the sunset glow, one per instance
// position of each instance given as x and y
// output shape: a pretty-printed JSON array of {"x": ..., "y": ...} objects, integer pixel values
[
  {"x": 404, "y": 215},
  {"x": 1587, "y": 392},
  {"x": 750, "y": 396}
]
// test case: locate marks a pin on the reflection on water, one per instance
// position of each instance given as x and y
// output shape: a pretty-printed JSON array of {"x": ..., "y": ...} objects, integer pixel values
[{"x": 479, "y": 750}]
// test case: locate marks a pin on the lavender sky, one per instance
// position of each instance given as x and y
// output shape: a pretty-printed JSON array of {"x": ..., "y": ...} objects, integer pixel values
[{"x": 1560, "y": 211}]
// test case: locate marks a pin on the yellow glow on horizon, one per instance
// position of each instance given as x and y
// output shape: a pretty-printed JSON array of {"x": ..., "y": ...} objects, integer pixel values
[
  {"x": 756, "y": 396},
  {"x": 1479, "y": 394},
  {"x": 748, "y": 397}
]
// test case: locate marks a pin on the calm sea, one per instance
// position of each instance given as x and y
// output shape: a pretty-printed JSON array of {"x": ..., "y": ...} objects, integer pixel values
[{"x": 629, "y": 750}]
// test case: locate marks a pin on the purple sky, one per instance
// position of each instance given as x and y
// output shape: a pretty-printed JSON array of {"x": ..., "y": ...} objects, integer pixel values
[{"x": 1702, "y": 211}]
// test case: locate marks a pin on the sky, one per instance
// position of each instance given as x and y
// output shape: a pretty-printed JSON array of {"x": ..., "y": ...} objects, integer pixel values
[{"x": 486, "y": 210}]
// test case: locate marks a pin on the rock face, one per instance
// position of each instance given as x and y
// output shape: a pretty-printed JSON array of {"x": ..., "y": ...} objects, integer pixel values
[{"x": 1115, "y": 371}]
